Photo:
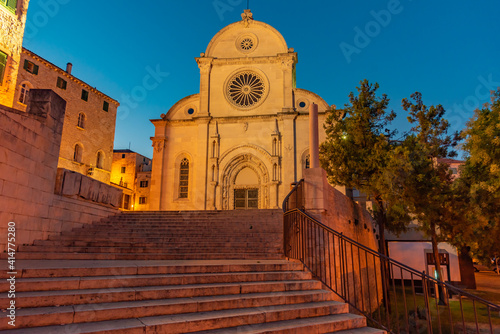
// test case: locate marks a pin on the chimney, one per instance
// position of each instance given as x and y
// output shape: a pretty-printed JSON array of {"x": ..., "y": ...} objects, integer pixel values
[{"x": 69, "y": 67}]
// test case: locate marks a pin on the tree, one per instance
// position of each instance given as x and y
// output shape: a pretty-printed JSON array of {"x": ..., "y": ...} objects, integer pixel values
[
  {"x": 356, "y": 154},
  {"x": 428, "y": 187},
  {"x": 481, "y": 176}
]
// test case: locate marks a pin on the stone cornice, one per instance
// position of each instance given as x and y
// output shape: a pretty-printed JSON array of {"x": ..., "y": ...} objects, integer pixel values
[{"x": 69, "y": 76}]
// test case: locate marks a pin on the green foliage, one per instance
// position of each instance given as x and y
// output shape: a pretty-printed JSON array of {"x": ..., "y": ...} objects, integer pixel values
[
  {"x": 357, "y": 152},
  {"x": 427, "y": 187},
  {"x": 480, "y": 179}
]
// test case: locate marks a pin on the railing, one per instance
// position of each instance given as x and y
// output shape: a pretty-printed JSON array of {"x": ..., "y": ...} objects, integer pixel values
[
  {"x": 391, "y": 295},
  {"x": 295, "y": 199}
]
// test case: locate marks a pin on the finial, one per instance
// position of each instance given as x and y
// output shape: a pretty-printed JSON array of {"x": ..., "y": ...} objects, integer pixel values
[{"x": 247, "y": 16}]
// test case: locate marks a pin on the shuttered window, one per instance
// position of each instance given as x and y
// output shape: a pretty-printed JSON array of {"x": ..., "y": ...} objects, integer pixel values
[
  {"x": 10, "y": 4},
  {"x": 85, "y": 95},
  {"x": 61, "y": 83},
  {"x": 30, "y": 67},
  {"x": 3, "y": 65}
]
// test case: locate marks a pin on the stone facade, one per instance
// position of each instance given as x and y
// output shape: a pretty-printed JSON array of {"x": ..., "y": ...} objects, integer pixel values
[
  {"x": 29, "y": 154},
  {"x": 12, "y": 24},
  {"x": 131, "y": 172},
  {"x": 243, "y": 139},
  {"x": 86, "y": 123}
]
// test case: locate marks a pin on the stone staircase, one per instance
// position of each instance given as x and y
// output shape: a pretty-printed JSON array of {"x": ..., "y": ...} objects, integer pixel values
[{"x": 184, "y": 272}]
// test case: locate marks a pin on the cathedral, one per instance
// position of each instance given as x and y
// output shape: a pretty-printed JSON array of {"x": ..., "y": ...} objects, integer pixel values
[{"x": 244, "y": 138}]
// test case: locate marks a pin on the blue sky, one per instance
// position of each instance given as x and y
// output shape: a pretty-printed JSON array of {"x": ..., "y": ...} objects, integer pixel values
[{"x": 447, "y": 50}]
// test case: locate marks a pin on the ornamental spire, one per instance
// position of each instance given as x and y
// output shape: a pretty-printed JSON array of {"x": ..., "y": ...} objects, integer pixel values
[{"x": 246, "y": 17}]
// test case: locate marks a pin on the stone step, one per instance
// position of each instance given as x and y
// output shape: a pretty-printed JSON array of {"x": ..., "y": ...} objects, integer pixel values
[
  {"x": 341, "y": 323},
  {"x": 179, "y": 243},
  {"x": 145, "y": 256},
  {"x": 70, "y": 268},
  {"x": 115, "y": 281},
  {"x": 273, "y": 319},
  {"x": 157, "y": 238},
  {"x": 165, "y": 249},
  {"x": 362, "y": 330},
  {"x": 154, "y": 233},
  {"x": 110, "y": 295},
  {"x": 314, "y": 301}
]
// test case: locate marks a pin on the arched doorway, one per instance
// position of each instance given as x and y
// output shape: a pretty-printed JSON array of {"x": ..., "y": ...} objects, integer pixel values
[
  {"x": 246, "y": 190},
  {"x": 245, "y": 184}
]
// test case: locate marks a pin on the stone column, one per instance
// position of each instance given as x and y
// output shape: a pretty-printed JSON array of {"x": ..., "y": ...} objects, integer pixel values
[{"x": 313, "y": 135}]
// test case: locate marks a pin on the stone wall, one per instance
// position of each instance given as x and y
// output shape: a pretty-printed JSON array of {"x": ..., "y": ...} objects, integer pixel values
[
  {"x": 343, "y": 215},
  {"x": 29, "y": 152}
]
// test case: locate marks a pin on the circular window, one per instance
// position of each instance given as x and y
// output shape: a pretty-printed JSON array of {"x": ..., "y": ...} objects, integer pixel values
[
  {"x": 245, "y": 90},
  {"x": 246, "y": 43},
  {"x": 190, "y": 111},
  {"x": 302, "y": 103}
]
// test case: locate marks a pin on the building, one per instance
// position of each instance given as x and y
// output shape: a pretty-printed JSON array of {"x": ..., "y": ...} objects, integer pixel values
[
  {"x": 89, "y": 123},
  {"x": 12, "y": 22},
  {"x": 131, "y": 172},
  {"x": 243, "y": 139}
]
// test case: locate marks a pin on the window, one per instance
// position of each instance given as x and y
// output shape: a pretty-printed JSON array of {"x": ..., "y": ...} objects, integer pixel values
[
  {"x": 30, "y": 66},
  {"x": 3, "y": 65},
  {"x": 123, "y": 156},
  {"x": 77, "y": 155},
  {"x": 10, "y": 4},
  {"x": 307, "y": 162},
  {"x": 85, "y": 95},
  {"x": 105, "y": 106},
  {"x": 61, "y": 83},
  {"x": 81, "y": 120},
  {"x": 123, "y": 170},
  {"x": 142, "y": 200},
  {"x": 99, "y": 160},
  {"x": 23, "y": 95},
  {"x": 144, "y": 184},
  {"x": 184, "y": 179}
]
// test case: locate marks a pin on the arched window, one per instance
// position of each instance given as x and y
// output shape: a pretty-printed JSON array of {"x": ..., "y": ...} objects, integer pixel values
[
  {"x": 184, "y": 178},
  {"x": 275, "y": 147},
  {"x": 307, "y": 162},
  {"x": 81, "y": 120},
  {"x": 77, "y": 155},
  {"x": 100, "y": 160},
  {"x": 23, "y": 94}
]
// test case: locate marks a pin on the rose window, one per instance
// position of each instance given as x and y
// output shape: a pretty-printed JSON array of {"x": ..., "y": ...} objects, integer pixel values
[
  {"x": 246, "y": 44},
  {"x": 245, "y": 89}
]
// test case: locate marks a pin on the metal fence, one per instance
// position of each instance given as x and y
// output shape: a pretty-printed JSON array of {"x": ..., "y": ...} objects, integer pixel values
[{"x": 391, "y": 295}]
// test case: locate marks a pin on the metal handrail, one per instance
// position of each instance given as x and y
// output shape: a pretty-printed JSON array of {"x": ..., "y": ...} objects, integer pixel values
[{"x": 386, "y": 289}]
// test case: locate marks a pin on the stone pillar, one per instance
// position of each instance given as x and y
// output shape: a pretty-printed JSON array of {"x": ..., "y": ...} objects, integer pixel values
[
  {"x": 205, "y": 65},
  {"x": 313, "y": 135}
]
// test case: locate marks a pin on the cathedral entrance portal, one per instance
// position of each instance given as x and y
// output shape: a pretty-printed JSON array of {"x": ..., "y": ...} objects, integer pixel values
[{"x": 245, "y": 184}]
